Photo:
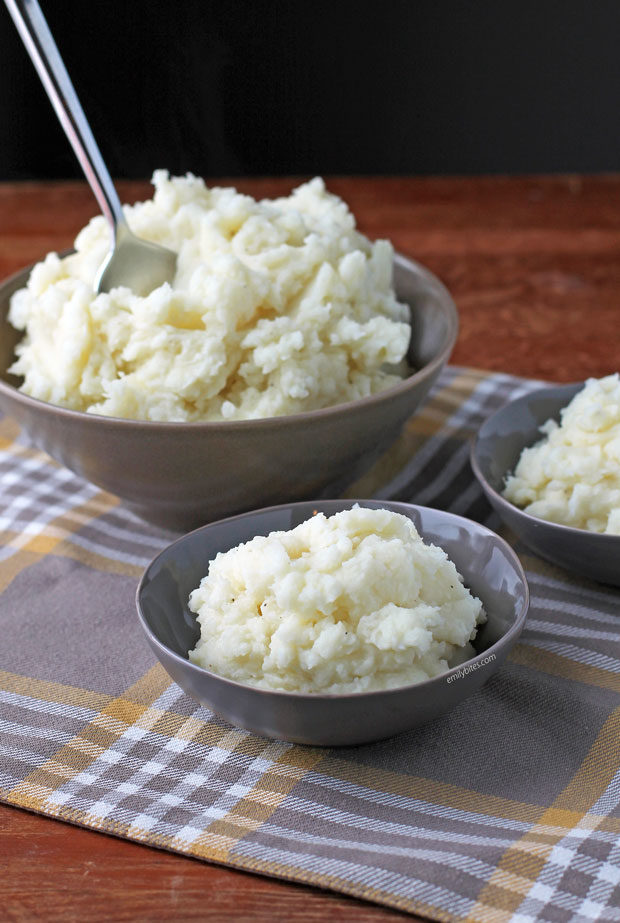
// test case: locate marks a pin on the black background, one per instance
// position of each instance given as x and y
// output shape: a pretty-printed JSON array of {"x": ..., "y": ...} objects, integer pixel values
[{"x": 260, "y": 88}]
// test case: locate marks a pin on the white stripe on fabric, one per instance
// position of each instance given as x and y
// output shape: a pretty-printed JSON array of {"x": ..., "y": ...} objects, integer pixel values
[
  {"x": 601, "y": 890},
  {"x": 571, "y": 652},
  {"x": 577, "y": 610},
  {"x": 29, "y": 757},
  {"x": 363, "y": 822},
  {"x": 75, "y": 712},
  {"x": 413, "y": 804},
  {"x": 462, "y": 862},
  {"x": 464, "y": 500},
  {"x": 610, "y": 799},
  {"x": 104, "y": 551},
  {"x": 570, "y": 631},
  {"x": 21, "y": 730},
  {"x": 127, "y": 532},
  {"x": 368, "y": 876},
  {"x": 12, "y": 518},
  {"x": 571, "y": 589},
  {"x": 444, "y": 477}
]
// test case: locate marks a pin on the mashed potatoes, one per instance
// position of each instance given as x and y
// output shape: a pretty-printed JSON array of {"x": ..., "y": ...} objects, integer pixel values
[
  {"x": 348, "y": 603},
  {"x": 573, "y": 475},
  {"x": 277, "y": 307}
]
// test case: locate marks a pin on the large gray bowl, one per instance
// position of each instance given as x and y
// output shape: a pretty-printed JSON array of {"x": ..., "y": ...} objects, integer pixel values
[
  {"x": 181, "y": 475},
  {"x": 495, "y": 452},
  {"x": 488, "y": 565}
]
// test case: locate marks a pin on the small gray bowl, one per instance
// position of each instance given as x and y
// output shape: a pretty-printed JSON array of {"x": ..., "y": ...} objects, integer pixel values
[
  {"x": 488, "y": 565},
  {"x": 182, "y": 475},
  {"x": 494, "y": 454}
]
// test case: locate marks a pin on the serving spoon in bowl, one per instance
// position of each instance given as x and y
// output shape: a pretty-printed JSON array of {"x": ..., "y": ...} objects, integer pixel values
[{"x": 132, "y": 262}]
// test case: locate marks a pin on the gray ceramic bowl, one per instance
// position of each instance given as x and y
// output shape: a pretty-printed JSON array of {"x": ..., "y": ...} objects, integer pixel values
[
  {"x": 488, "y": 565},
  {"x": 181, "y": 475},
  {"x": 494, "y": 454}
]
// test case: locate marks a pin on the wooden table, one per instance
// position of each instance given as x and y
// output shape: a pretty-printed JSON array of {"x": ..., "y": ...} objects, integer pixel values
[{"x": 534, "y": 267}]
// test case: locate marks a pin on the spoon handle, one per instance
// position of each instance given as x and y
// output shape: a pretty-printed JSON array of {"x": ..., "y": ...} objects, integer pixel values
[{"x": 45, "y": 56}]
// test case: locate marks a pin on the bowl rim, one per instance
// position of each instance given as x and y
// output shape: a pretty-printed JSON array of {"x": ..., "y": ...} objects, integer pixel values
[
  {"x": 513, "y": 631},
  {"x": 510, "y": 508},
  {"x": 265, "y": 423}
]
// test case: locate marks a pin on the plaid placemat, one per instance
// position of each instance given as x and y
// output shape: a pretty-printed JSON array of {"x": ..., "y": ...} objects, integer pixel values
[{"x": 508, "y": 808}]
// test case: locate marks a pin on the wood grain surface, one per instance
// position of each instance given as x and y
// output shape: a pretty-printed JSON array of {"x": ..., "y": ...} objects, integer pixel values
[{"x": 534, "y": 267}]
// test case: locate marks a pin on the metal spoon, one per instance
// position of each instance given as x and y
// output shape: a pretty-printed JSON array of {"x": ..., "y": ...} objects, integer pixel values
[{"x": 132, "y": 262}]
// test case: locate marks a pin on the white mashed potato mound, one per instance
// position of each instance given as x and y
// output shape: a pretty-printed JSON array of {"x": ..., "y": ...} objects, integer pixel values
[
  {"x": 347, "y": 603},
  {"x": 278, "y": 306},
  {"x": 572, "y": 476}
]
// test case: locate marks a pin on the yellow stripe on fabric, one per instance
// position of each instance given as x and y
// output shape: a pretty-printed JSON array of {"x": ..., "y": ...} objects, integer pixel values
[
  {"x": 499, "y": 899},
  {"x": 9, "y": 431},
  {"x": 28, "y": 549},
  {"x": 14, "y": 564},
  {"x": 388, "y": 782},
  {"x": 9, "y": 444},
  {"x": 53, "y": 540},
  {"x": 98, "y": 735},
  {"x": 53, "y": 536},
  {"x": 74, "y": 518},
  {"x": 96, "y": 561},
  {"x": 527, "y": 655},
  {"x": 255, "y": 808},
  {"x": 66, "y": 523},
  {"x": 134, "y": 709},
  {"x": 53, "y": 692},
  {"x": 149, "y": 687},
  {"x": 595, "y": 773},
  {"x": 426, "y": 422}
]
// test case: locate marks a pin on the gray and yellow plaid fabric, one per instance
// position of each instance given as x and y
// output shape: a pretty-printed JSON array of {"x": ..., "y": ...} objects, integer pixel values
[{"x": 506, "y": 809}]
